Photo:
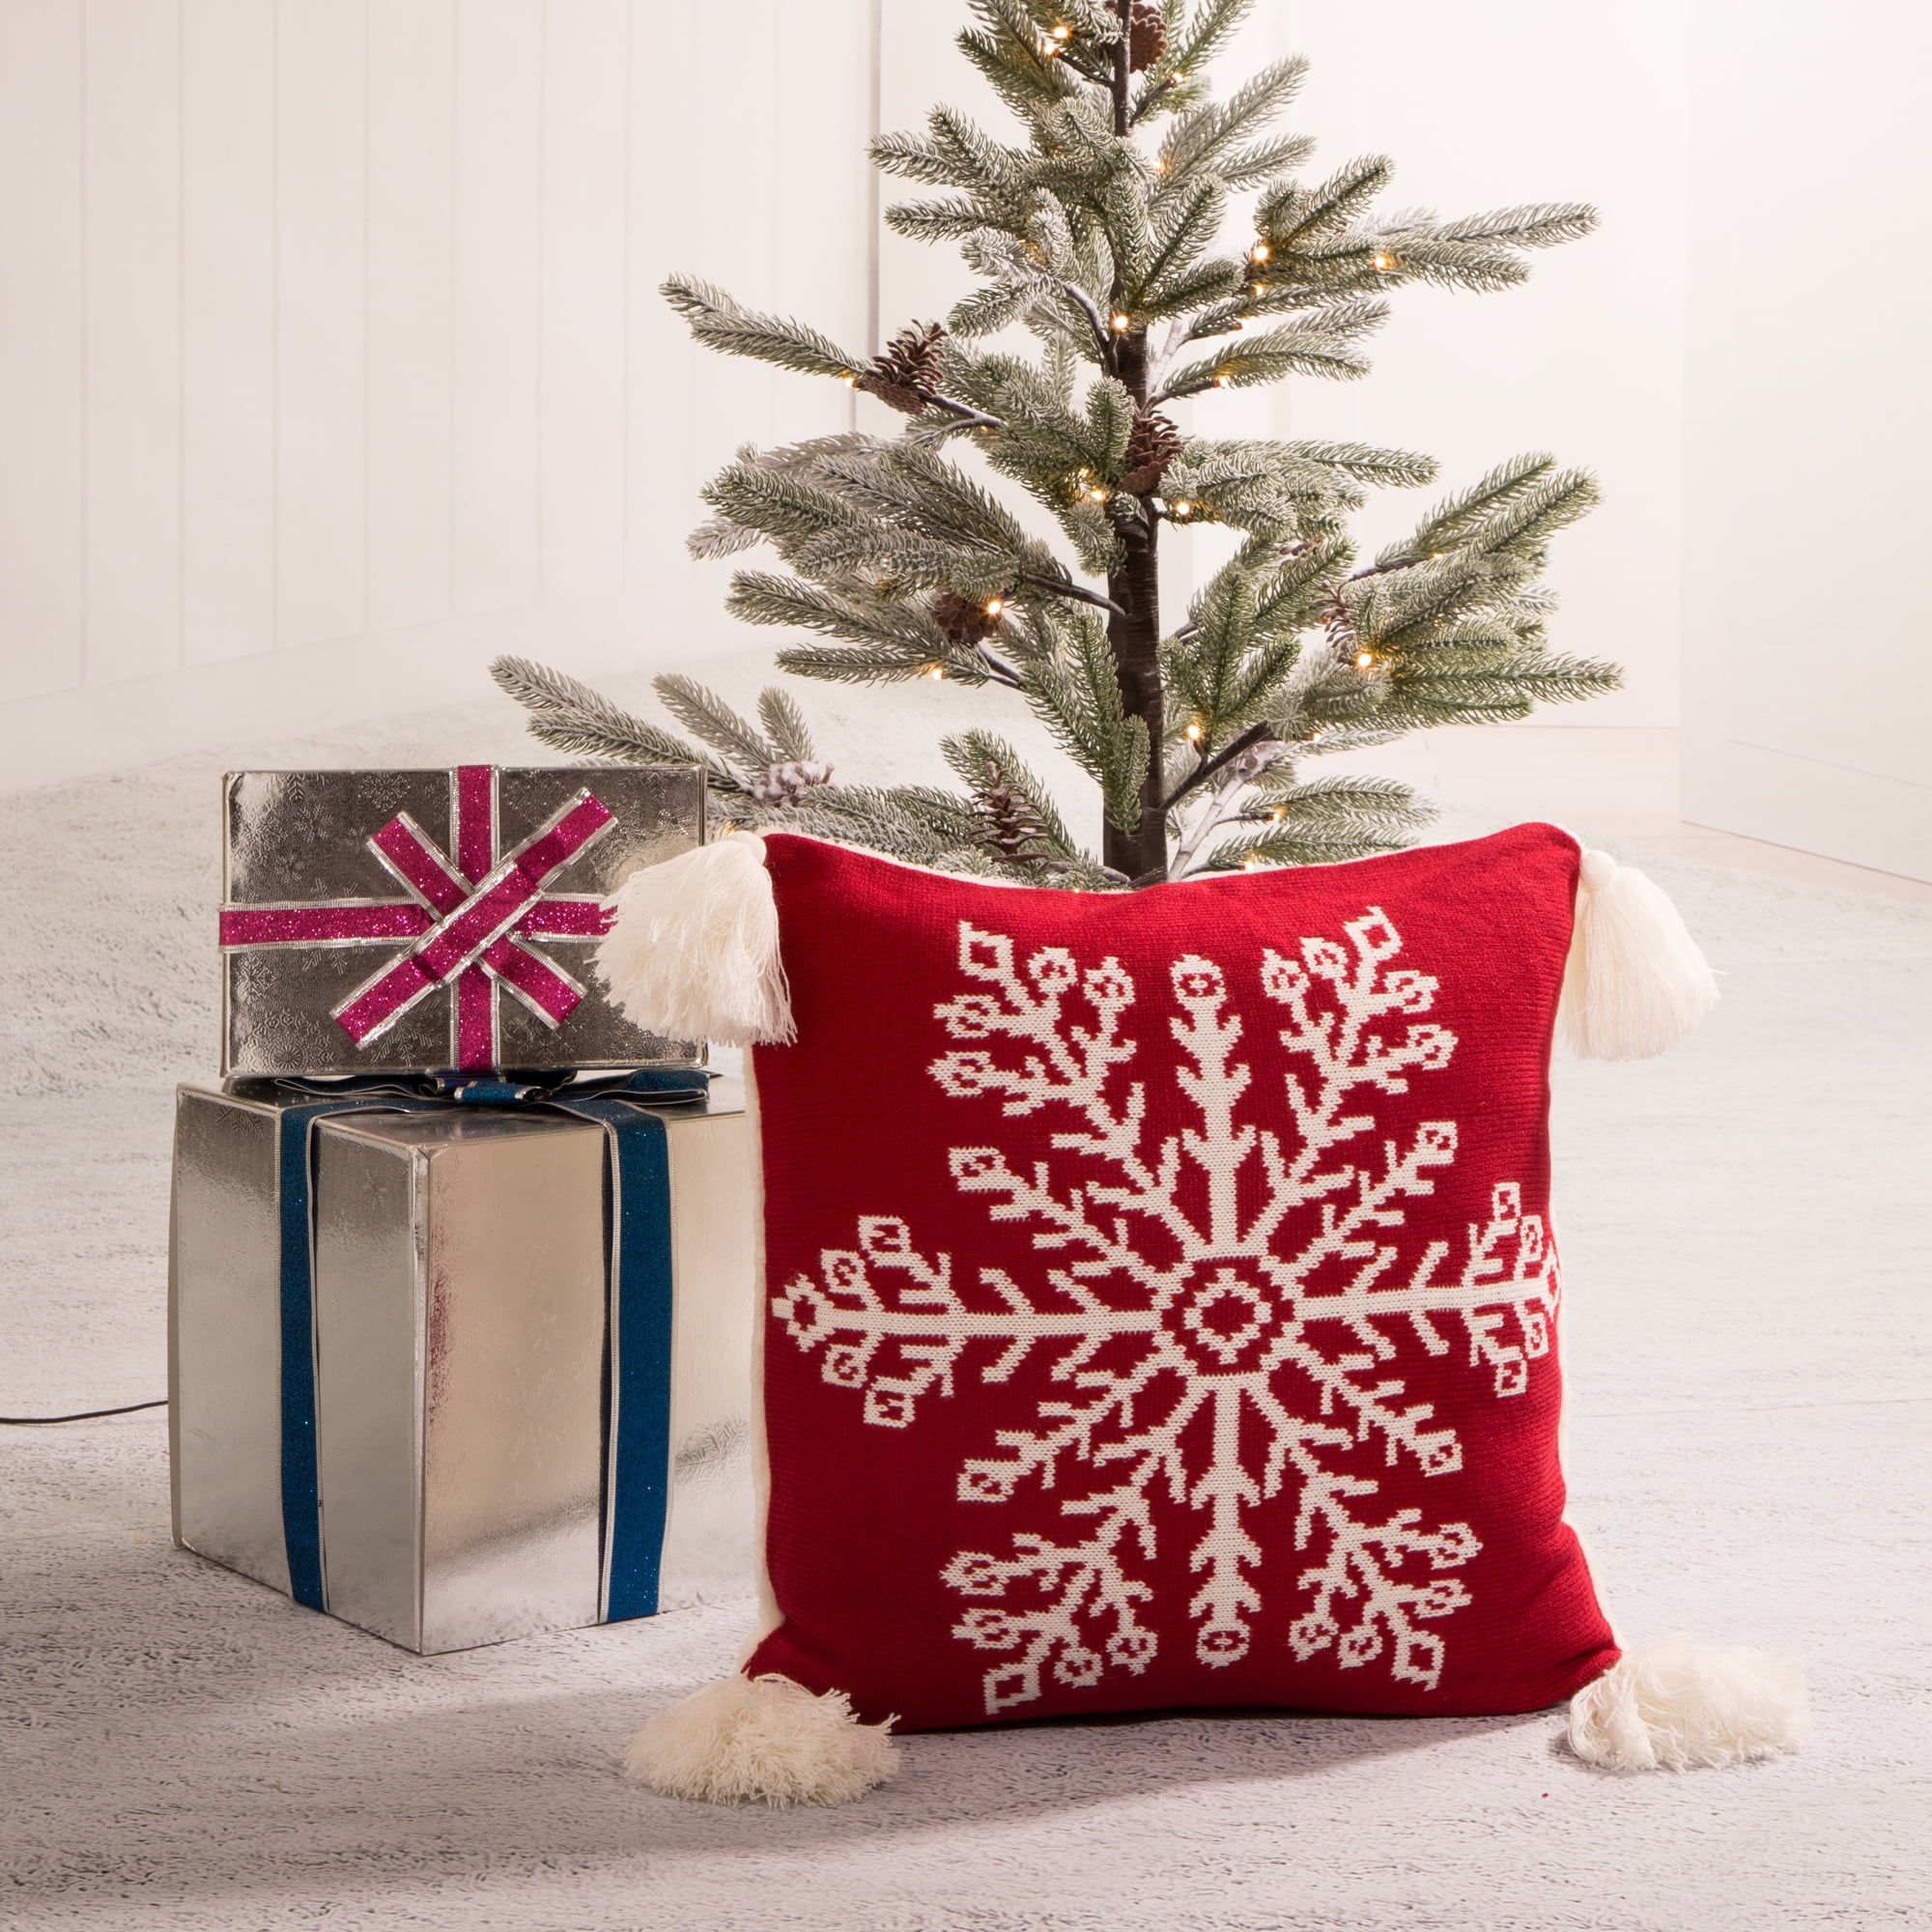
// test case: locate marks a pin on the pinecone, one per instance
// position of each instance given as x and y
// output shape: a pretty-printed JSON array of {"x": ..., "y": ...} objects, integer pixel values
[
  {"x": 965, "y": 620},
  {"x": 1147, "y": 35},
  {"x": 1153, "y": 443},
  {"x": 1009, "y": 825},
  {"x": 907, "y": 375},
  {"x": 788, "y": 783}
]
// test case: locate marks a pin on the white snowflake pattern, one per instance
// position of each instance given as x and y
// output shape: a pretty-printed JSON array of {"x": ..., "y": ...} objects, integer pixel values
[{"x": 1217, "y": 1311}]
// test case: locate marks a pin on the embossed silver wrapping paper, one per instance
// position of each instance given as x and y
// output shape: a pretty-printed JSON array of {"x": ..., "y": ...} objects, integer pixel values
[
  {"x": 334, "y": 883},
  {"x": 462, "y": 1340}
]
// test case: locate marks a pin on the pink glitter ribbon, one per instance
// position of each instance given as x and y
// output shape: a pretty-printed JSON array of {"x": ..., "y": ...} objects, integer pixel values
[{"x": 469, "y": 921}]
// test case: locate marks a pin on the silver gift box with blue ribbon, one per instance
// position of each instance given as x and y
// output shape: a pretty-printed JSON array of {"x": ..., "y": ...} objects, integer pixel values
[{"x": 458, "y": 1361}]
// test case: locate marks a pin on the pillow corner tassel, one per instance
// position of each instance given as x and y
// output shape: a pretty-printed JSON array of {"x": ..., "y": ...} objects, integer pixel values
[
  {"x": 692, "y": 948},
  {"x": 1636, "y": 981},
  {"x": 1683, "y": 1706},
  {"x": 763, "y": 1740}
]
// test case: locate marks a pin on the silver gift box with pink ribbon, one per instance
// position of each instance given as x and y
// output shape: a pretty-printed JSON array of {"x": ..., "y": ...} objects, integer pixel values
[{"x": 412, "y": 921}]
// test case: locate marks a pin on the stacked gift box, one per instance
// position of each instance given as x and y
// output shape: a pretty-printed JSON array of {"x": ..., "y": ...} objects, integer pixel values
[{"x": 460, "y": 1260}]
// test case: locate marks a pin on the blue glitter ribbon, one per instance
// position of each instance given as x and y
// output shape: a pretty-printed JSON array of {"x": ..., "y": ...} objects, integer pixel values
[{"x": 638, "y": 1274}]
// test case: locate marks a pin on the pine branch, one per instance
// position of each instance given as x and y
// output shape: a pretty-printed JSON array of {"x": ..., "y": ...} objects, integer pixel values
[
  {"x": 713, "y": 721},
  {"x": 784, "y": 726},
  {"x": 570, "y": 717},
  {"x": 1306, "y": 349},
  {"x": 719, "y": 323}
]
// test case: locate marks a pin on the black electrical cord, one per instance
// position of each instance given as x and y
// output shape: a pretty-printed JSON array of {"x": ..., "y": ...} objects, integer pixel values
[{"x": 79, "y": 1415}]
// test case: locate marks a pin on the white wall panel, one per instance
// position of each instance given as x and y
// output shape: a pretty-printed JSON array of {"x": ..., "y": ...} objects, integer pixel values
[
  {"x": 331, "y": 356},
  {"x": 1808, "y": 680},
  {"x": 42, "y": 348},
  {"x": 133, "y": 136},
  {"x": 1511, "y": 101},
  {"x": 497, "y": 348},
  {"x": 228, "y": 329},
  {"x": 669, "y": 444},
  {"x": 322, "y": 257},
  {"x": 411, "y": 129},
  {"x": 585, "y": 119}
]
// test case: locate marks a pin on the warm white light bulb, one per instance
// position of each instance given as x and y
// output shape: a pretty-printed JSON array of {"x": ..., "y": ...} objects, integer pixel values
[
  {"x": 1122, "y": 324},
  {"x": 1063, "y": 32},
  {"x": 1259, "y": 252},
  {"x": 994, "y": 606},
  {"x": 1221, "y": 382},
  {"x": 1182, "y": 508},
  {"x": 937, "y": 671},
  {"x": 1364, "y": 660},
  {"x": 1194, "y": 731}
]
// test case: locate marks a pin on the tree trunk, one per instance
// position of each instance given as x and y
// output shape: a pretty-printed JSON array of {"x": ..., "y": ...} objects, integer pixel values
[
  {"x": 1135, "y": 636},
  {"x": 1136, "y": 642}
]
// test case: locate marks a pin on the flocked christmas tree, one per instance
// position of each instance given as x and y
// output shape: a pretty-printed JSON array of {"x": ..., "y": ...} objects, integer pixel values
[{"x": 1103, "y": 234}]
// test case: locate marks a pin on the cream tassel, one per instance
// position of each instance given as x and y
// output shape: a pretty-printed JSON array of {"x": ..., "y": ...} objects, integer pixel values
[
  {"x": 1678, "y": 1705},
  {"x": 1636, "y": 982},
  {"x": 763, "y": 1740},
  {"x": 694, "y": 951}
]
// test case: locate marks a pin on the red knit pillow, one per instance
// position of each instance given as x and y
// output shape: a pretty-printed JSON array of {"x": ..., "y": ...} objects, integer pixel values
[
  {"x": 1157, "y": 1297},
  {"x": 1160, "y": 1300}
]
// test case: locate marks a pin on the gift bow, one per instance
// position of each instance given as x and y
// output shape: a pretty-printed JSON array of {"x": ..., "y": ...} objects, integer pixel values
[
  {"x": 469, "y": 921},
  {"x": 628, "y": 1106}
]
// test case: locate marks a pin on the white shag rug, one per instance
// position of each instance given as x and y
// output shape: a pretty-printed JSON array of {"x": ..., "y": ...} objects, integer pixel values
[{"x": 1745, "y": 1340}]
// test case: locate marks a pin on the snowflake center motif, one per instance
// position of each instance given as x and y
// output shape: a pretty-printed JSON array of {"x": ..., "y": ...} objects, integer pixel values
[
  {"x": 1219, "y": 1310},
  {"x": 1224, "y": 1317}
]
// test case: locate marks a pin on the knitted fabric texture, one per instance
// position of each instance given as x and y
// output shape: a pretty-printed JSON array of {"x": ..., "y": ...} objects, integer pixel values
[{"x": 1159, "y": 1294}]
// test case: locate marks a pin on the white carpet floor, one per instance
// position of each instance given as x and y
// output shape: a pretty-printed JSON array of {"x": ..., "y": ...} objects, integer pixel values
[{"x": 1747, "y": 1321}]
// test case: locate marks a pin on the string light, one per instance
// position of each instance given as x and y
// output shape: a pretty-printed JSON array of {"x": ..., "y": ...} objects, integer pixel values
[
  {"x": 850, "y": 380},
  {"x": 1381, "y": 261},
  {"x": 1194, "y": 730},
  {"x": 1099, "y": 494},
  {"x": 1259, "y": 252},
  {"x": 1253, "y": 862},
  {"x": 994, "y": 606},
  {"x": 935, "y": 672},
  {"x": 1063, "y": 32},
  {"x": 1366, "y": 660},
  {"x": 1122, "y": 324},
  {"x": 1182, "y": 508},
  {"x": 1277, "y": 812},
  {"x": 1257, "y": 287},
  {"x": 1221, "y": 379}
]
